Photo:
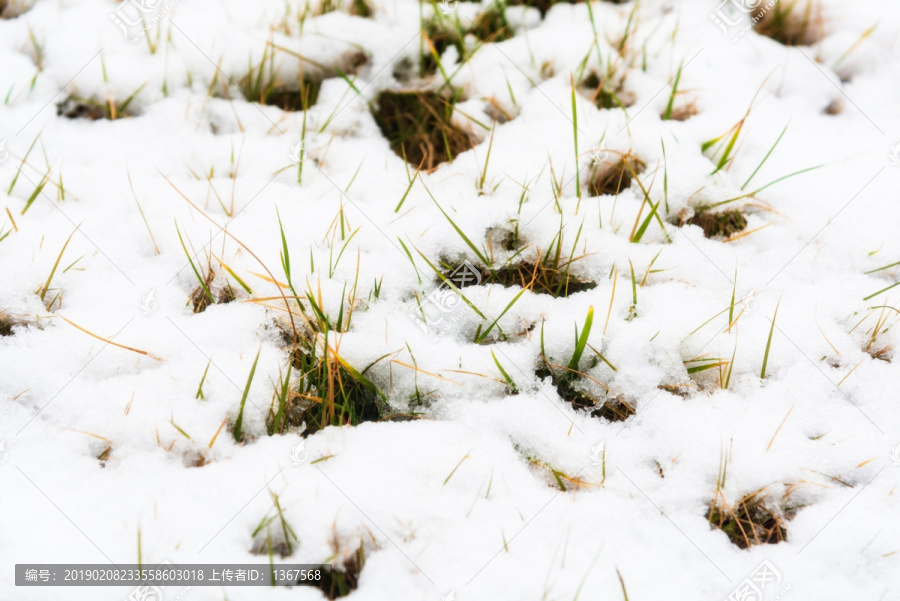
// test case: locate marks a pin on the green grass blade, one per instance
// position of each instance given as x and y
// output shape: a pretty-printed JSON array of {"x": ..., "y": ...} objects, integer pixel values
[
  {"x": 581, "y": 341},
  {"x": 239, "y": 422},
  {"x": 194, "y": 267},
  {"x": 762, "y": 373},
  {"x": 509, "y": 381},
  {"x": 462, "y": 235}
]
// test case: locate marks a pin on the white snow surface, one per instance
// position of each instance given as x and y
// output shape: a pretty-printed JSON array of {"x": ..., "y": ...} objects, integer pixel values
[{"x": 825, "y": 419}]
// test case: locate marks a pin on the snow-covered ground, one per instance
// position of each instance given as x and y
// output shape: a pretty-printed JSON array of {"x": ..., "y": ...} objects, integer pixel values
[{"x": 108, "y": 448}]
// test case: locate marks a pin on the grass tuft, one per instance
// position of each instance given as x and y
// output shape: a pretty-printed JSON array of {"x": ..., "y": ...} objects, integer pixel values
[
  {"x": 571, "y": 383},
  {"x": 607, "y": 91},
  {"x": 9, "y": 323},
  {"x": 279, "y": 535},
  {"x": 328, "y": 391},
  {"x": 719, "y": 224},
  {"x": 791, "y": 22},
  {"x": 77, "y": 107},
  {"x": 756, "y": 518},
  {"x": 614, "y": 176},
  {"x": 341, "y": 581},
  {"x": 418, "y": 127}
]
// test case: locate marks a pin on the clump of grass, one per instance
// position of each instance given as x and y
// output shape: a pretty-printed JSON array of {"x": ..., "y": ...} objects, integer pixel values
[
  {"x": 9, "y": 322},
  {"x": 274, "y": 534},
  {"x": 570, "y": 382},
  {"x": 681, "y": 111},
  {"x": 341, "y": 581},
  {"x": 418, "y": 126},
  {"x": 10, "y": 9},
  {"x": 328, "y": 391},
  {"x": 548, "y": 272},
  {"x": 607, "y": 91},
  {"x": 78, "y": 107},
  {"x": 791, "y": 22},
  {"x": 356, "y": 8},
  {"x": 884, "y": 321},
  {"x": 611, "y": 177},
  {"x": 719, "y": 224},
  {"x": 438, "y": 35},
  {"x": 491, "y": 25},
  {"x": 205, "y": 294},
  {"x": 261, "y": 84},
  {"x": 755, "y": 519}
]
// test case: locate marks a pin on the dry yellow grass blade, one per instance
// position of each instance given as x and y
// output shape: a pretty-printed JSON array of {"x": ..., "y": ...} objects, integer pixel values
[
  {"x": 107, "y": 341},
  {"x": 777, "y": 430},
  {"x": 427, "y": 373},
  {"x": 746, "y": 233},
  {"x": 216, "y": 435},
  {"x": 270, "y": 280},
  {"x": 11, "y": 220}
]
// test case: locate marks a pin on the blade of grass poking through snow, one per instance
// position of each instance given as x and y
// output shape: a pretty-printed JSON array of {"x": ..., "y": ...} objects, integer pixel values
[
  {"x": 283, "y": 396},
  {"x": 46, "y": 286},
  {"x": 874, "y": 294},
  {"x": 581, "y": 341},
  {"x": 612, "y": 296},
  {"x": 730, "y": 366},
  {"x": 731, "y": 306},
  {"x": 668, "y": 112},
  {"x": 141, "y": 210},
  {"x": 15, "y": 178},
  {"x": 453, "y": 471},
  {"x": 412, "y": 180},
  {"x": 462, "y": 235},
  {"x": 409, "y": 255},
  {"x": 333, "y": 267},
  {"x": 726, "y": 154},
  {"x": 509, "y": 381},
  {"x": 665, "y": 174},
  {"x": 762, "y": 374},
  {"x": 239, "y": 422},
  {"x": 486, "y": 160},
  {"x": 231, "y": 272},
  {"x": 199, "y": 394},
  {"x": 194, "y": 267},
  {"x": 575, "y": 136},
  {"x": 758, "y": 190},
  {"x": 108, "y": 341},
  {"x": 622, "y": 583},
  {"x": 633, "y": 285},
  {"x": 765, "y": 158},
  {"x": 480, "y": 339},
  {"x": 36, "y": 193}
]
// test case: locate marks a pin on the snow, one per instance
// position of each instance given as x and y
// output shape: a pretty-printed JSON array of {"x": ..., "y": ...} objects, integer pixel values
[{"x": 825, "y": 417}]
